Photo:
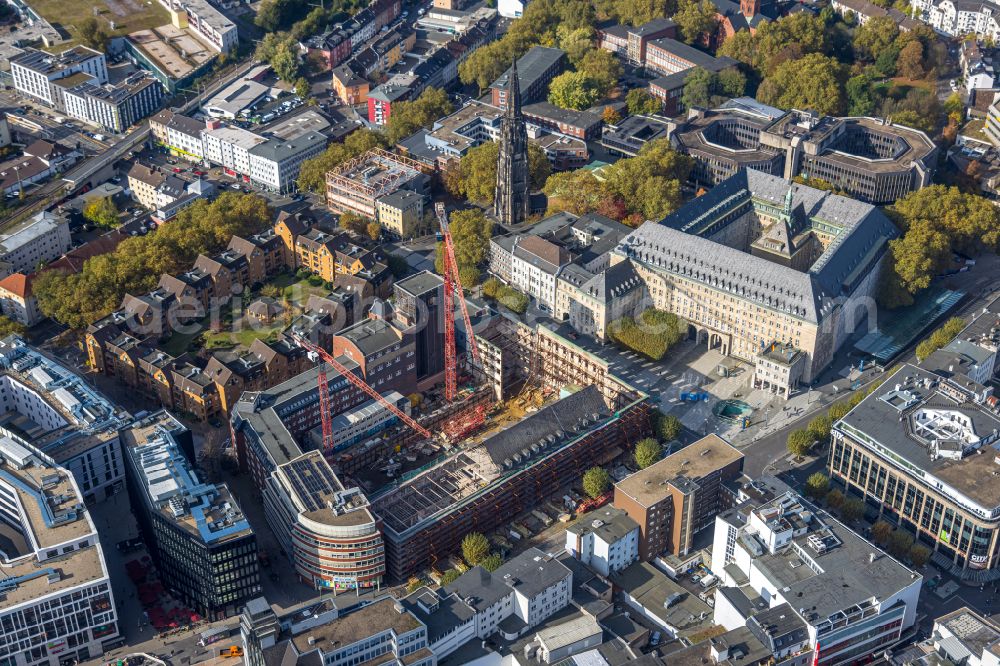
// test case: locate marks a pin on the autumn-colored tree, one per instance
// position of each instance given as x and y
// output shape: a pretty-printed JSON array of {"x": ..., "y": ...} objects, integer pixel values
[{"x": 910, "y": 63}]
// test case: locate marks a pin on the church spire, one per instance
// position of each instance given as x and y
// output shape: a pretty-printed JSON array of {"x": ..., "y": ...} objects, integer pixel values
[
  {"x": 510, "y": 201},
  {"x": 514, "y": 92}
]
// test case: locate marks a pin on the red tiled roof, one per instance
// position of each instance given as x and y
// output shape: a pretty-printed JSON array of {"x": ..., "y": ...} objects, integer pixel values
[{"x": 18, "y": 284}]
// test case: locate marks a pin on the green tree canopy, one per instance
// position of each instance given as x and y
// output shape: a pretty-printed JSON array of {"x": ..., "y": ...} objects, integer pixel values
[
  {"x": 475, "y": 547},
  {"x": 103, "y": 212},
  {"x": 281, "y": 51},
  {"x": 813, "y": 82},
  {"x": 577, "y": 191},
  {"x": 775, "y": 42},
  {"x": 696, "y": 18},
  {"x": 10, "y": 327},
  {"x": 408, "y": 117},
  {"x": 640, "y": 102},
  {"x": 649, "y": 183},
  {"x": 574, "y": 90},
  {"x": 666, "y": 427},
  {"x": 651, "y": 334},
  {"x": 450, "y": 576},
  {"x": 817, "y": 485},
  {"x": 476, "y": 175},
  {"x": 852, "y": 509},
  {"x": 471, "y": 231},
  {"x": 596, "y": 481},
  {"x": 799, "y": 442},
  {"x": 877, "y": 36},
  {"x": 647, "y": 452},
  {"x": 491, "y": 562},
  {"x": 312, "y": 173},
  {"x": 709, "y": 89}
]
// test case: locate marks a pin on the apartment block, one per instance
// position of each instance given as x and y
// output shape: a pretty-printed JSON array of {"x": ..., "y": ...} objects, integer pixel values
[
  {"x": 607, "y": 541},
  {"x": 36, "y": 72},
  {"x": 679, "y": 496},
  {"x": 113, "y": 107},
  {"x": 37, "y": 240}
]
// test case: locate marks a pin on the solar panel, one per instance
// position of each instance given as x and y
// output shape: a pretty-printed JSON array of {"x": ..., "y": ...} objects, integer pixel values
[{"x": 311, "y": 481}]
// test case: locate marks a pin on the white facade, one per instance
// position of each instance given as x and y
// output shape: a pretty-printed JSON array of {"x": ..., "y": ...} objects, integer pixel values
[
  {"x": 191, "y": 145},
  {"x": 230, "y": 147},
  {"x": 275, "y": 165},
  {"x": 511, "y": 9},
  {"x": 41, "y": 239},
  {"x": 603, "y": 550},
  {"x": 207, "y": 21},
  {"x": 957, "y": 17},
  {"x": 35, "y": 71},
  {"x": 366, "y": 420}
]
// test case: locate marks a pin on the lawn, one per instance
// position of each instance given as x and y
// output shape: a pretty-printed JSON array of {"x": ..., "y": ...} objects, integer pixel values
[
  {"x": 298, "y": 291},
  {"x": 178, "y": 342},
  {"x": 242, "y": 338},
  {"x": 127, "y": 15}
]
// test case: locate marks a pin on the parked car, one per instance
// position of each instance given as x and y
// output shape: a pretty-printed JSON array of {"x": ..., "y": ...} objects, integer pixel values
[{"x": 178, "y": 170}]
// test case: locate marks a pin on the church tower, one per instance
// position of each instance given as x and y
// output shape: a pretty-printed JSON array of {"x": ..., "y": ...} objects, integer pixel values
[{"x": 510, "y": 202}]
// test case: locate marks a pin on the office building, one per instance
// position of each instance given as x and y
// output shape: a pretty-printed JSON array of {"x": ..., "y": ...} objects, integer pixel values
[
  {"x": 114, "y": 107},
  {"x": 630, "y": 42},
  {"x": 35, "y": 241},
  {"x": 914, "y": 449},
  {"x": 629, "y": 136},
  {"x": 206, "y": 21},
  {"x": 807, "y": 570},
  {"x": 758, "y": 260},
  {"x": 56, "y": 603},
  {"x": 201, "y": 543},
  {"x": 535, "y": 69},
  {"x": 679, "y": 496},
  {"x": 419, "y": 310},
  {"x": 401, "y": 213},
  {"x": 607, "y": 540},
  {"x": 579, "y": 124},
  {"x": 274, "y": 164},
  {"x": 36, "y": 73},
  {"x": 328, "y": 531}
]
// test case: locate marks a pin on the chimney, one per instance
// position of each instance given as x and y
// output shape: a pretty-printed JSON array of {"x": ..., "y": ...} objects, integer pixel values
[{"x": 213, "y": 123}]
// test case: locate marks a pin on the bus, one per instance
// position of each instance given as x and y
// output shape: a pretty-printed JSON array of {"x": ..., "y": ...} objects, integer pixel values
[{"x": 213, "y": 635}]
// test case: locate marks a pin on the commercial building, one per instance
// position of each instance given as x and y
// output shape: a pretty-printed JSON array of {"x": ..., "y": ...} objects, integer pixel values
[
  {"x": 37, "y": 240},
  {"x": 630, "y": 42},
  {"x": 607, "y": 540},
  {"x": 202, "y": 544},
  {"x": 629, "y": 136},
  {"x": 535, "y": 69},
  {"x": 913, "y": 449},
  {"x": 679, "y": 496},
  {"x": 179, "y": 134},
  {"x": 208, "y": 22},
  {"x": 381, "y": 632},
  {"x": 356, "y": 185},
  {"x": 36, "y": 72},
  {"x": 57, "y": 603},
  {"x": 275, "y": 164},
  {"x": 662, "y": 602},
  {"x": 238, "y": 96},
  {"x": 327, "y": 531},
  {"x": 553, "y": 644},
  {"x": 113, "y": 107},
  {"x": 963, "y": 636},
  {"x": 869, "y": 158},
  {"x": 758, "y": 260},
  {"x": 807, "y": 568}
]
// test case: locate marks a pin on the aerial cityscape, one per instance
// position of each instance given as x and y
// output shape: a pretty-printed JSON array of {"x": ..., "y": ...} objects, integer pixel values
[{"x": 499, "y": 333}]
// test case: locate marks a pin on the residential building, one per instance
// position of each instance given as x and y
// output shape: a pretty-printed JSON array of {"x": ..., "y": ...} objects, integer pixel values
[
  {"x": 39, "y": 161},
  {"x": 579, "y": 124},
  {"x": 36, "y": 72},
  {"x": 17, "y": 301},
  {"x": 978, "y": 65},
  {"x": 351, "y": 87},
  {"x": 911, "y": 449},
  {"x": 35, "y": 241},
  {"x": 203, "y": 546},
  {"x": 958, "y": 18},
  {"x": 607, "y": 540},
  {"x": 679, "y": 496},
  {"x": 229, "y": 147},
  {"x": 865, "y": 10},
  {"x": 327, "y": 531},
  {"x": 401, "y": 213},
  {"x": 520, "y": 594},
  {"x": 552, "y": 645},
  {"x": 853, "y": 599},
  {"x": 535, "y": 69},
  {"x": 275, "y": 164},
  {"x": 399, "y": 88},
  {"x": 356, "y": 185},
  {"x": 53, "y": 559},
  {"x": 745, "y": 287}
]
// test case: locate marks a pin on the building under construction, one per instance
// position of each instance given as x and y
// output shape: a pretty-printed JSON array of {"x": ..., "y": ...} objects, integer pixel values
[{"x": 358, "y": 184}]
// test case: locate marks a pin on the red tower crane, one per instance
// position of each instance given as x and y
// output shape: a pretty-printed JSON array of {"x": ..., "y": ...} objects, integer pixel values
[
  {"x": 324, "y": 395},
  {"x": 453, "y": 284}
]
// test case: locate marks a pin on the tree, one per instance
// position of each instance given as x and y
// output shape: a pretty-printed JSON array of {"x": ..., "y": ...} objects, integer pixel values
[
  {"x": 282, "y": 52},
  {"x": 775, "y": 42},
  {"x": 93, "y": 35},
  {"x": 649, "y": 183},
  {"x": 611, "y": 116},
  {"x": 573, "y": 90},
  {"x": 919, "y": 555},
  {"x": 799, "y": 442},
  {"x": 899, "y": 544},
  {"x": 136, "y": 265},
  {"x": 374, "y": 230},
  {"x": 475, "y": 547},
  {"x": 881, "y": 533},
  {"x": 273, "y": 15},
  {"x": 596, "y": 481},
  {"x": 302, "y": 88},
  {"x": 476, "y": 174},
  {"x": 10, "y": 327},
  {"x": 876, "y": 37},
  {"x": 575, "y": 42},
  {"x": 408, "y": 117},
  {"x": 940, "y": 337},
  {"x": 577, "y": 191},
  {"x": 414, "y": 584},
  {"x": 312, "y": 173},
  {"x": 817, "y": 485},
  {"x": 602, "y": 68},
  {"x": 652, "y": 334},
  {"x": 647, "y": 452},
  {"x": 819, "y": 427},
  {"x": 103, "y": 212},
  {"x": 860, "y": 97},
  {"x": 353, "y": 222},
  {"x": 812, "y": 82},
  {"x": 954, "y": 107},
  {"x": 696, "y": 18},
  {"x": 911, "y": 61},
  {"x": 852, "y": 510},
  {"x": 698, "y": 88},
  {"x": 666, "y": 427},
  {"x": 470, "y": 231},
  {"x": 450, "y": 576},
  {"x": 640, "y": 102},
  {"x": 491, "y": 562},
  {"x": 834, "y": 499}
]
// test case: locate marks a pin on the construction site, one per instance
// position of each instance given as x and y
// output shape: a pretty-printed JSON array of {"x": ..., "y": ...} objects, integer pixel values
[
  {"x": 521, "y": 414},
  {"x": 357, "y": 184}
]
